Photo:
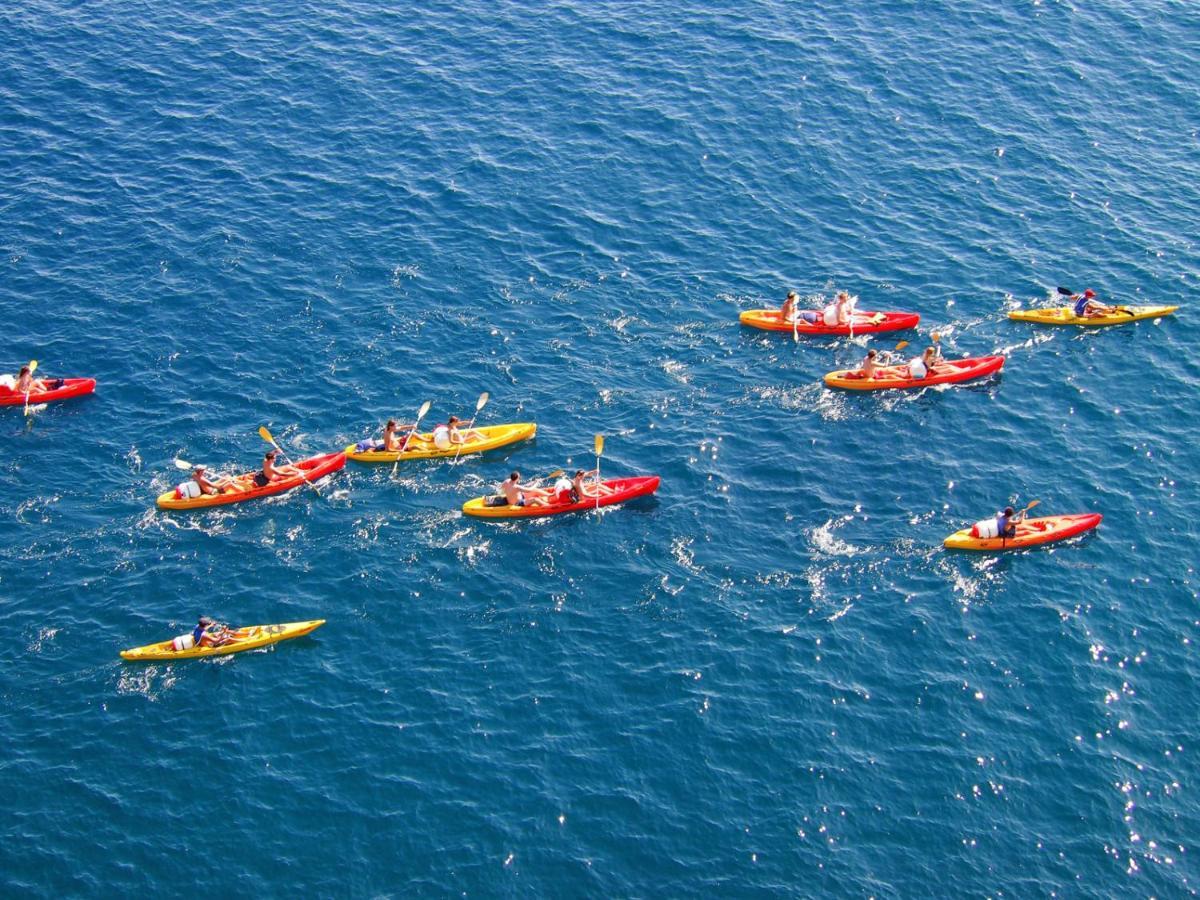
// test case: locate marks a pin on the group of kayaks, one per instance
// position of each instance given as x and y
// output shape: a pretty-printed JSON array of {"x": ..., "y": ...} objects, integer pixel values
[
  {"x": 982, "y": 536},
  {"x": 899, "y": 377}
]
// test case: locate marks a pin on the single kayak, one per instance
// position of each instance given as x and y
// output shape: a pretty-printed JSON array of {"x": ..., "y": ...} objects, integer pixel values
[
  {"x": 422, "y": 446},
  {"x": 1065, "y": 315},
  {"x": 619, "y": 490},
  {"x": 314, "y": 468},
  {"x": 864, "y": 322},
  {"x": 57, "y": 389},
  {"x": 948, "y": 371},
  {"x": 247, "y": 638},
  {"x": 1030, "y": 533}
]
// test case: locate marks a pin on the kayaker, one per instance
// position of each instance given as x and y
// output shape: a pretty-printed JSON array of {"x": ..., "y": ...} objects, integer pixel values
[
  {"x": 580, "y": 487},
  {"x": 211, "y": 633},
  {"x": 391, "y": 441},
  {"x": 210, "y": 487},
  {"x": 1088, "y": 307},
  {"x": 1007, "y": 521},
  {"x": 447, "y": 435},
  {"x": 518, "y": 494},
  {"x": 925, "y": 364},
  {"x": 787, "y": 312},
  {"x": 271, "y": 472},
  {"x": 27, "y": 384},
  {"x": 873, "y": 362}
]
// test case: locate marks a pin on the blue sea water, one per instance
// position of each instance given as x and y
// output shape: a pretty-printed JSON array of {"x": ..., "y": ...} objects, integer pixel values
[{"x": 768, "y": 680}]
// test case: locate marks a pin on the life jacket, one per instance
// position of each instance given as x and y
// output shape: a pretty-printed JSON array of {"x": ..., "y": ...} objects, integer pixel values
[
  {"x": 916, "y": 368},
  {"x": 183, "y": 642},
  {"x": 564, "y": 491},
  {"x": 187, "y": 490},
  {"x": 441, "y": 437},
  {"x": 830, "y": 314},
  {"x": 1081, "y": 305},
  {"x": 986, "y": 528}
]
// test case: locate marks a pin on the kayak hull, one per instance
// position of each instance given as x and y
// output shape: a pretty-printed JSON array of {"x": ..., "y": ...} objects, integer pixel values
[
  {"x": 493, "y": 436},
  {"x": 1030, "y": 533},
  {"x": 251, "y": 637},
  {"x": 315, "y": 468},
  {"x": 71, "y": 387},
  {"x": 864, "y": 322},
  {"x": 622, "y": 490},
  {"x": 1065, "y": 315},
  {"x": 896, "y": 377}
]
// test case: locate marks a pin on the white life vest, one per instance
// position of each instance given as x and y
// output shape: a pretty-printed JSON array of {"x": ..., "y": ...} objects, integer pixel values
[
  {"x": 986, "y": 528},
  {"x": 183, "y": 642},
  {"x": 8, "y": 381},
  {"x": 830, "y": 314},
  {"x": 441, "y": 437},
  {"x": 916, "y": 368},
  {"x": 188, "y": 490}
]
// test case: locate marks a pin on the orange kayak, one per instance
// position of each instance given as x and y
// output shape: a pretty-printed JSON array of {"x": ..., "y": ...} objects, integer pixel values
[
  {"x": 1030, "y": 533},
  {"x": 314, "y": 468}
]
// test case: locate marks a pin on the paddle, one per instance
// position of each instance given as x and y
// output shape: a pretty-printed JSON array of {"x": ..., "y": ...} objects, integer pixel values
[
  {"x": 479, "y": 404},
  {"x": 555, "y": 474},
  {"x": 900, "y": 346},
  {"x": 598, "y": 446},
  {"x": 266, "y": 436},
  {"x": 32, "y": 369},
  {"x": 184, "y": 465},
  {"x": 420, "y": 415},
  {"x": 1067, "y": 292}
]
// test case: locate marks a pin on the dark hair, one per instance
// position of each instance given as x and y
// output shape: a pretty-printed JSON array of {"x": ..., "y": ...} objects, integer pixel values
[
  {"x": 453, "y": 419},
  {"x": 1008, "y": 510},
  {"x": 205, "y": 621},
  {"x": 24, "y": 370},
  {"x": 578, "y": 472},
  {"x": 270, "y": 454},
  {"x": 391, "y": 423},
  {"x": 515, "y": 476},
  {"x": 872, "y": 353}
]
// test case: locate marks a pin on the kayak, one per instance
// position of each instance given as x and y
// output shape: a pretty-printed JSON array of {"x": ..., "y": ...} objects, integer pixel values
[
  {"x": 1065, "y": 315},
  {"x": 864, "y": 322},
  {"x": 315, "y": 468},
  {"x": 620, "y": 490},
  {"x": 60, "y": 389},
  {"x": 1030, "y": 533},
  {"x": 422, "y": 446},
  {"x": 247, "y": 638},
  {"x": 948, "y": 371}
]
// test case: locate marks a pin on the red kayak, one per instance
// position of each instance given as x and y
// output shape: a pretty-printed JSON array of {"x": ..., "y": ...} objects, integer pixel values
[
  {"x": 314, "y": 469},
  {"x": 947, "y": 371},
  {"x": 620, "y": 490},
  {"x": 864, "y": 322},
  {"x": 57, "y": 389}
]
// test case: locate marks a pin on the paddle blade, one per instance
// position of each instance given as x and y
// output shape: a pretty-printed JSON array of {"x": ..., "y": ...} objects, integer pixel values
[
  {"x": 900, "y": 346},
  {"x": 265, "y": 435},
  {"x": 32, "y": 366},
  {"x": 598, "y": 444},
  {"x": 557, "y": 473},
  {"x": 482, "y": 401},
  {"x": 1066, "y": 292},
  {"x": 1032, "y": 504},
  {"x": 183, "y": 465},
  {"x": 424, "y": 409},
  {"x": 935, "y": 337}
]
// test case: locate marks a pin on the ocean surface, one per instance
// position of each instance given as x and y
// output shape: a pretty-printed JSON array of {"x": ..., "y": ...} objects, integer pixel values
[{"x": 769, "y": 679}]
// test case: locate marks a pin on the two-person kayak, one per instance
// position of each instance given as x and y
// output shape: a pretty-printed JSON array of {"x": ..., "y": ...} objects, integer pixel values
[
  {"x": 55, "y": 389},
  {"x": 245, "y": 487},
  {"x": 861, "y": 322},
  {"x": 246, "y": 638},
  {"x": 1030, "y": 533},
  {"x": 1065, "y": 315},
  {"x": 947, "y": 371},
  {"x": 422, "y": 446},
  {"x": 615, "y": 490}
]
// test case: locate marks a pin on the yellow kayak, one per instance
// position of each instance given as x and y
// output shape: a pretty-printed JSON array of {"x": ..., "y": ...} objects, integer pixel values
[
  {"x": 1065, "y": 315},
  {"x": 247, "y": 638},
  {"x": 422, "y": 447}
]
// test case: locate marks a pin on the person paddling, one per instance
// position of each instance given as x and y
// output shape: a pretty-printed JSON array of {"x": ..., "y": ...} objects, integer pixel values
[
  {"x": 924, "y": 365},
  {"x": 787, "y": 312},
  {"x": 1007, "y": 521},
  {"x": 271, "y": 472},
  {"x": 518, "y": 494},
  {"x": 1088, "y": 307},
  {"x": 211, "y": 633},
  {"x": 27, "y": 384}
]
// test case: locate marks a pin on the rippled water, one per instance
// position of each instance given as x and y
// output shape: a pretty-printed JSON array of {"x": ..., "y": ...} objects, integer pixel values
[{"x": 769, "y": 679}]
